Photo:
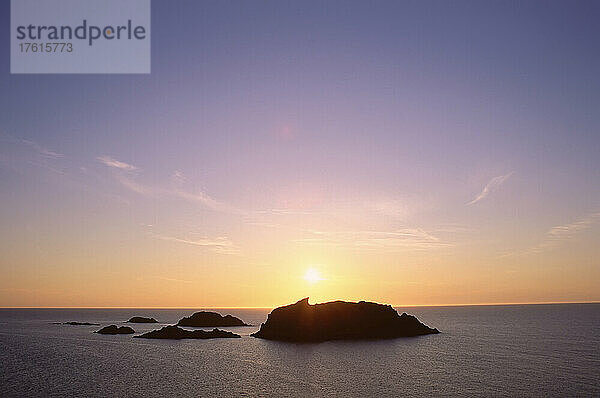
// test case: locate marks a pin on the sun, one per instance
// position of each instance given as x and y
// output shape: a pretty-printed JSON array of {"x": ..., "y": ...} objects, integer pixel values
[{"x": 312, "y": 276}]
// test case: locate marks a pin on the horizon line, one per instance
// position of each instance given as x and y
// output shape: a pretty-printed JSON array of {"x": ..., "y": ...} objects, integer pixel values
[{"x": 261, "y": 308}]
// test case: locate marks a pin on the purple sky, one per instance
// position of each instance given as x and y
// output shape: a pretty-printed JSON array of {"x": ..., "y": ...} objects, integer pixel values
[{"x": 413, "y": 152}]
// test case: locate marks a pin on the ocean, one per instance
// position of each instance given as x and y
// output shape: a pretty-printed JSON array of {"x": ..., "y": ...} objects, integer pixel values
[{"x": 482, "y": 351}]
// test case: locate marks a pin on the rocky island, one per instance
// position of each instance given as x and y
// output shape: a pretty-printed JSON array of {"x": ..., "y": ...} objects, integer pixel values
[
  {"x": 210, "y": 319},
  {"x": 339, "y": 320},
  {"x": 72, "y": 323},
  {"x": 141, "y": 319},
  {"x": 177, "y": 333},
  {"x": 113, "y": 329}
]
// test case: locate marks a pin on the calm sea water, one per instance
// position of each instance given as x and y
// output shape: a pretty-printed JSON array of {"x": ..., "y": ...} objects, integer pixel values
[{"x": 520, "y": 350}]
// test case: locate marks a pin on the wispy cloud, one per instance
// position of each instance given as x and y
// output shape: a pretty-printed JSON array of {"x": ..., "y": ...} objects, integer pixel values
[
  {"x": 358, "y": 211},
  {"x": 198, "y": 197},
  {"x": 178, "y": 177},
  {"x": 46, "y": 166},
  {"x": 282, "y": 212},
  {"x": 491, "y": 186},
  {"x": 42, "y": 150},
  {"x": 162, "y": 278},
  {"x": 407, "y": 238},
  {"x": 131, "y": 182},
  {"x": 116, "y": 164},
  {"x": 221, "y": 245},
  {"x": 559, "y": 234},
  {"x": 134, "y": 186},
  {"x": 207, "y": 201},
  {"x": 18, "y": 154}
]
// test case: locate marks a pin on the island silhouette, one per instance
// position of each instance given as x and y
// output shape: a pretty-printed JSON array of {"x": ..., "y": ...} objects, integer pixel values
[
  {"x": 339, "y": 320},
  {"x": 141, "y": 319},
  {"x": 113, "y": 329},
  {"x": 298, "y": 322},
  {"x": 176, "y": 333},
  {"x": 210, "y": 319}
]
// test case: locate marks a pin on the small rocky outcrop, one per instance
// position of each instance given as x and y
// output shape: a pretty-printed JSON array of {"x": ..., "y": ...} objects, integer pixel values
[
  {"x": 114, "y": 329},
  {"x": 210, "y": 319},
  {"x": 77, "y": 323},
  {"x": 339, "y": 320},
  {"x": 177, "y": 333},
  {"x": 141, "y": 319}
]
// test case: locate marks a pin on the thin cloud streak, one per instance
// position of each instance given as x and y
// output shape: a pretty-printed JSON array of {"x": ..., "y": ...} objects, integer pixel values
[
  {"x": 199, "y": 197},
  {"x": 13, "y": 157},
  {"x": 365, "y": 209},
  {"x": 221, "y": 244},
  {"x": 407, "y": 238},
  {"x": 559, "y": 234},
  {"x": 178, "y": 177},
  {"x": 207, "y": 201},
  {"x": 42, "y": 150},
  {"x": 117, "y": 164},
  {"x": 162, "y": 278},
  {"x": 47, "y": 167},
  {"x": 134, "y": 186},
  {"x": 491, "y": 186},
  {"x": 142, "y": 189}
]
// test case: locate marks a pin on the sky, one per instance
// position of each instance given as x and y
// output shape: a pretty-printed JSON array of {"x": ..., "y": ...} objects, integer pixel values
[{"x": 410, "y": 153}]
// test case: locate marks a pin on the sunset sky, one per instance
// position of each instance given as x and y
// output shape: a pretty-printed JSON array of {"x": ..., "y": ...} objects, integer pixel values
[{"x": 412, "y": 153}]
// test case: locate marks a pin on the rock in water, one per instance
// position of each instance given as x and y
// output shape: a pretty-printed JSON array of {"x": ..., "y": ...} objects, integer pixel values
[
  {"x": 210, "y": 319},
  {"x": 141, "y": 319},
  {"x": 339, "y": 320},
  {"x": 177, "y": 333},
  {"x": 113, "y": 329}
]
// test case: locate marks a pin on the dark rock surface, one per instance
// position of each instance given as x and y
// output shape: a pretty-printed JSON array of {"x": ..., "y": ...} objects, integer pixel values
[
  {"x": 210, "y": 319},
  {"x": 177, "y": 333},
  {"x": 141, "y": 319},
  {"x": 77, "y": 323},
  {"x": 339, "y": 320},
  {"x": 113, "y": 329}
]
